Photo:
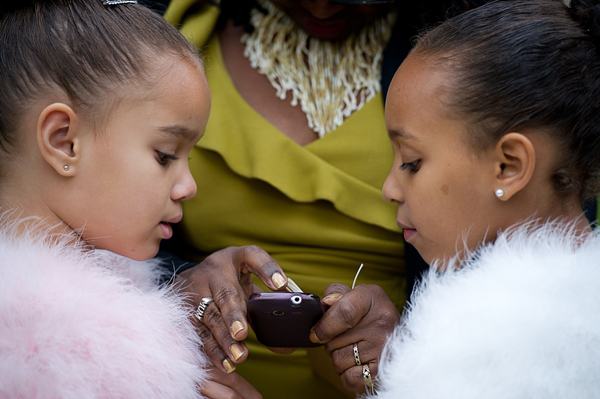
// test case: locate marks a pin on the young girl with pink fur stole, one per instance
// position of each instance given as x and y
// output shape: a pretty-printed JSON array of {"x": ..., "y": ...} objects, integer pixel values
[
  {"x": 494, "y": 118},
  {"x": 99, "y": 108}
]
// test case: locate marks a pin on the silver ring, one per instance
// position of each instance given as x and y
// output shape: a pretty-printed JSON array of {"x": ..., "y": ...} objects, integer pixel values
[
  {"x": 204, "y": 302},
  {"x": 368, "y": 379},
  {"x": 356, "y": 357}
]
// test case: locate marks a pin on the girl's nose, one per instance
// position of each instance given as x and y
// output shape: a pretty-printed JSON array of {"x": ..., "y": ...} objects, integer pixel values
[
  {"x": 392, "y": 192},
  {"x": 185, "y": 188}
]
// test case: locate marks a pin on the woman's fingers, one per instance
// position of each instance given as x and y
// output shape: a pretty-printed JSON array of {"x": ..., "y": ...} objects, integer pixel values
[
  {"x": 334, "y": 292},
  {"x": 217, "y": 279},
  {"x": 229, "y": 273},
  {"x": 223, "y": 351},
  {"x": 364, "y": 317},
  {"x": 228, "y": 386},
  {"x": 354, "y": 380},
  {"x": 255, "y": 260},
  {"x": 226, "y": 277},
  {"x": 344, "y": 358},
  {"x": 342, "y": 316}
]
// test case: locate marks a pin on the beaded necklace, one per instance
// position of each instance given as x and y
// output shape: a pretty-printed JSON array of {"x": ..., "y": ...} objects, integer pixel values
[{"x": 330, "y": 80}]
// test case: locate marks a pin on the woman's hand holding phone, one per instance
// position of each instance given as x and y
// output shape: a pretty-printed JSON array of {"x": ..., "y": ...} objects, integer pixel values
[
  {"x": 226, "y": 277},
  {"x": 364, "y": 316}
]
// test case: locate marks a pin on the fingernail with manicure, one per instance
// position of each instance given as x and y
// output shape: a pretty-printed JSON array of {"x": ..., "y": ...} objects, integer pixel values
[
  {"x": 278, "y": 280},
  {"x": 313, "y": 337},
  {"x": 236, "y": 327},
  {"x": 236, "y": 351},
  {"x": 332, "y": 298},
  {"x": 230, "y": 368}
]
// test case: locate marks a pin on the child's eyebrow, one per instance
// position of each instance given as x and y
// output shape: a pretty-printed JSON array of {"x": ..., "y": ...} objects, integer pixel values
[
  {"x": 399, "y": 133},
  {"x": 178, "y": 132}
]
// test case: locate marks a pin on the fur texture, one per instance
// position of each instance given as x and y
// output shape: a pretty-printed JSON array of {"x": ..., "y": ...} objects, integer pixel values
[
  {"x": 78, "y": 323},
  {"x": 521, "y": 320}
]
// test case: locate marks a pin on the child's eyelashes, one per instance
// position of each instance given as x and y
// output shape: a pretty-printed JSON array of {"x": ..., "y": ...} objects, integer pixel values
[
  {"x": 164, "y": 159},
  {"x": 411, "y": 166}
]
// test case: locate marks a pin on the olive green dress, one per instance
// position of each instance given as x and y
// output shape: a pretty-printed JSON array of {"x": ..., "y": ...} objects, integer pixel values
[{"x": 317, "y": 209}]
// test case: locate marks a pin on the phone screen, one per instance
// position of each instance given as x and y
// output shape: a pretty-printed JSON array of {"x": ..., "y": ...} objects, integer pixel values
[{"x": 284, "y": 319}]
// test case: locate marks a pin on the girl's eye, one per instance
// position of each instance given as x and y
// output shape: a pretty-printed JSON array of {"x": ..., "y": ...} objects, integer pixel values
[
  {"x": 412, "y": 167},
  {"x": 164, "y": 159}
]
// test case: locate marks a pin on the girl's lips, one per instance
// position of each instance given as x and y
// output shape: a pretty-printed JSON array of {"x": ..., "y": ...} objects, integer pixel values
[
  {"x": 165, "y": 226},
  {"x": 176, "y": 219},
  {"x": 408, "y": 233},
  {"x": 166, "y": 230}
]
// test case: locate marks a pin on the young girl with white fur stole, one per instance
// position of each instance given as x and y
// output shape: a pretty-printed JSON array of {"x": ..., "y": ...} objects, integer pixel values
[
  {"x": 99, "y": 108},
  {"x": 495, "y": 122},
  {"x": 494, "y": 118}
]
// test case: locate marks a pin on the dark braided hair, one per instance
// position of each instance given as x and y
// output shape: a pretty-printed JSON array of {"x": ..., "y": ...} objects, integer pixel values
[{"x": 519, "y": 64}]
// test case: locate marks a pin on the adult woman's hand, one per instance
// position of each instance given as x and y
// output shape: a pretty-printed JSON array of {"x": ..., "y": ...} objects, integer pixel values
[
  {"x": 226, "y": 277},
  {"x": 364, "y": 317},
  {"x": 228, "y": 386}
]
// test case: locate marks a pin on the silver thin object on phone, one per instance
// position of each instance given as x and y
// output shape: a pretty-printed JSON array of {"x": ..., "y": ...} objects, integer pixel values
[
  {"x": 292, "y": 286},
  {"x": 357, "y": 273}
]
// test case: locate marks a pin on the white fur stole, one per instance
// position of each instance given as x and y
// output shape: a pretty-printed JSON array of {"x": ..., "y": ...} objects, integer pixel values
[
  {"x": 522, "y": 320},
  {"x": 90, "y": 324}
]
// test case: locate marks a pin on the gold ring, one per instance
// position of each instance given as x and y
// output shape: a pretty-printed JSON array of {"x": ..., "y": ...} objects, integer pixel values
[
  {"x": 204, "y": 302},
  {"x": 368, "y": 379},
  {"x": 356, "y": 357}
]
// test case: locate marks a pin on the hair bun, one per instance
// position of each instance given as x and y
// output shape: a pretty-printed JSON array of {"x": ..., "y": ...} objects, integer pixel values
[{"x": 587, "y": 13}]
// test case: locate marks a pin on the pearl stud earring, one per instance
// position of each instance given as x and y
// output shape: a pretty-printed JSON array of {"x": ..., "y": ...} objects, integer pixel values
[
  {"x": 66, "y": 168},
  {"x": 499, "y": 193}
]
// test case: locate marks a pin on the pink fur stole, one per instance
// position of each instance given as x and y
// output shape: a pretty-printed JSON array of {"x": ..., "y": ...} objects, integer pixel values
[{"x": 90, "y": 324}]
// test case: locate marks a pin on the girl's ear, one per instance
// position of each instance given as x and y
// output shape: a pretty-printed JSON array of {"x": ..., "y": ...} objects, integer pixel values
[
  {"x": 515, "y": 165},
  {"x": 57, "y": 136}
]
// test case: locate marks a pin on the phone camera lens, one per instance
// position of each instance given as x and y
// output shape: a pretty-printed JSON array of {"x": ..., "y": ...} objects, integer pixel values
[{"x": 296, "y": 300}]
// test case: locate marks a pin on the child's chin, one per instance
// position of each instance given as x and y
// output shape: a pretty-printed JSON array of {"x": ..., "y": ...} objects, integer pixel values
[
  {"x": 141, "y": 251},
  {"x": 143, "y": 254},
  {"x": 429, "y": 258}
]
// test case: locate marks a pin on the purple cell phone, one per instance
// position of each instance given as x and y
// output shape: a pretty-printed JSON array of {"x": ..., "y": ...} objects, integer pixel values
[{"x": 284, "y": 319}]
